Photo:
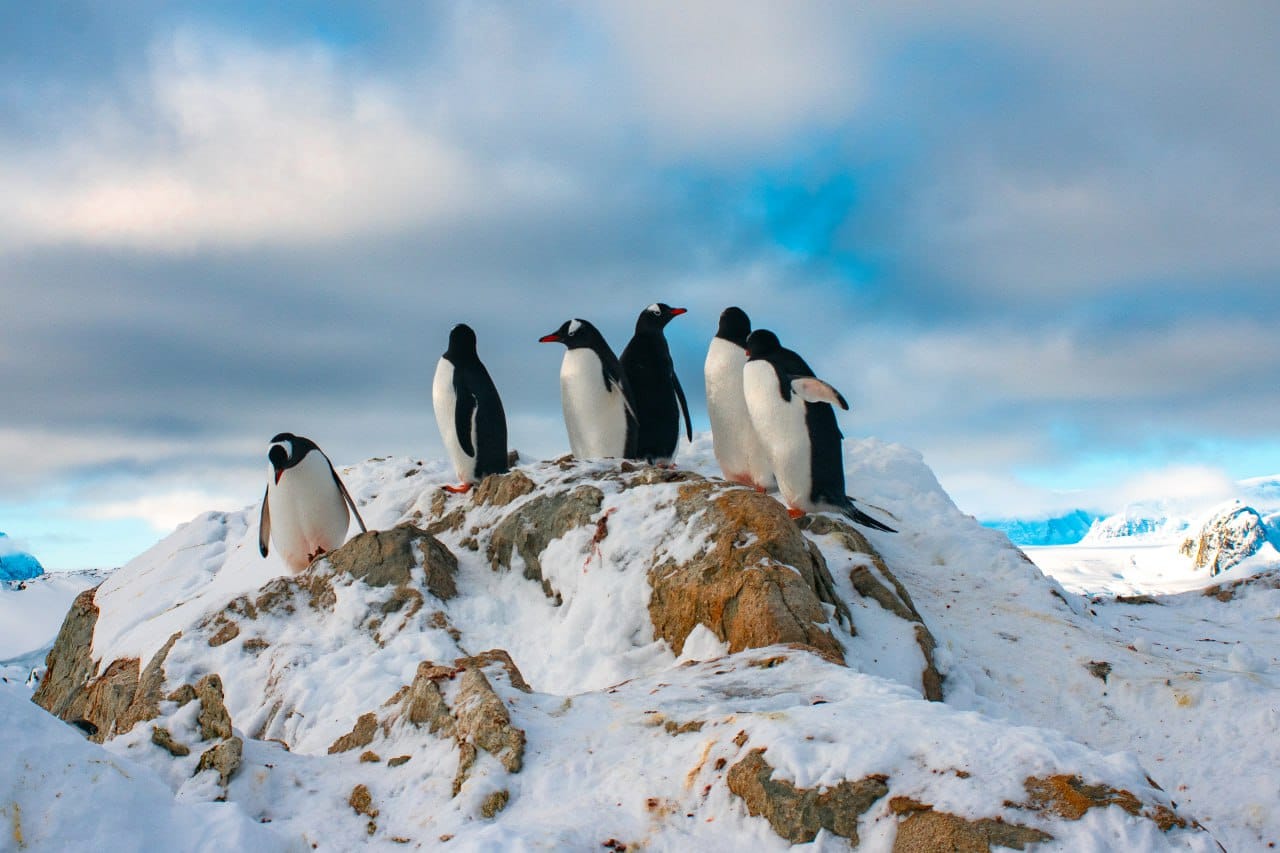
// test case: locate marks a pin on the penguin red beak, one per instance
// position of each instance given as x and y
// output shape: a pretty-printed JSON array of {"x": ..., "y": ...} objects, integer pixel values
[
  {"x": 552, "y": 338},
  {"x": 676, "y": 312},
  {"x": 279, "y": 474}
]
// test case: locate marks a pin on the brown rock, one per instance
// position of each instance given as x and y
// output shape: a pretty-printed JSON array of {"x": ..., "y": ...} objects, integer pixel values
[
  {"x": 756, "y": 585},
  {"x": 214, "y": 720},
  {"x": 360, "y": 735},
  {"x": 383, "y": 558},
  {"x": 224, "y": 757},
  {"x": 228, "y": 632},
  {"x": 500, "y": 657},
  {"x": 162, "y": 738},
  {"x": 494, "y": 803},
  {"x": 929, "y": 831},
  {"x": 70, "y": 661},
  {"x": 796, "y": 814},
  {"x": 502, "y": 489},
  {"x": 362, "y": 801},
  {"x": 535, "y": 524},
  {"x": 398, "y": 760},
  {"x": 483, "y": 719}
]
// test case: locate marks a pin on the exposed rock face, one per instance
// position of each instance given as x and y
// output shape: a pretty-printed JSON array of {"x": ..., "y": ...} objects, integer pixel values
[
  {"x": 797, "y": 814},
  {"x": 384, "y": 558},
  {"x": 759, "y": 583},
  {"x": 1226, "y": 539},
  {"x": 927, "y": 831},
  {"x": 536, "y": 523},
  {"x": 70, "y": 661}
]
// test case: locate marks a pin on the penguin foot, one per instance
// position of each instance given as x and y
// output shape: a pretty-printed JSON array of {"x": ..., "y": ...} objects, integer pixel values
[
  {"x": 795, "y": 513},
  {"x": 458, "y": 490}
]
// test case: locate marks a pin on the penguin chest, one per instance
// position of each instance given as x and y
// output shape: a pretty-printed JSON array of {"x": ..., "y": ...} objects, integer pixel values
[
  {"x": 444, "y": 399},
  {"x": 783, "y": 432},
  {"x": 737, "y": 447},
  {"x": 595, "y": 417},
  {"x": 308, "y": 513}
]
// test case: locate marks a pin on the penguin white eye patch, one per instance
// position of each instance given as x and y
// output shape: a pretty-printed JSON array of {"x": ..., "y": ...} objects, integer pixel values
[
  {"x": 286, "y": 446},
  {"x": 654, "y": 309},
  {"x": 574, "y": 326}
]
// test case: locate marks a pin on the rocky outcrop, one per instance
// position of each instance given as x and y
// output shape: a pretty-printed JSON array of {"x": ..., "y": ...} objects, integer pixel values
[
  {"x": 758, "y": 583},
  {"x": 535, "y": 524},
  {"x": 797, "y": 814},
  {"x": 1226, "y": 539},
  {"x": 925, "y": 830}
]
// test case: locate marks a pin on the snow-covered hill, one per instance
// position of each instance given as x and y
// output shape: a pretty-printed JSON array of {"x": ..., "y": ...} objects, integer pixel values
[
  {"x": 586, "y": 657},
  {"x": 30, "y": 612}
]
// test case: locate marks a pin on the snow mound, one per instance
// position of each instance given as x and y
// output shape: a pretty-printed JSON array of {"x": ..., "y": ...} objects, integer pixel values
[{"x": 601, "y": 655}]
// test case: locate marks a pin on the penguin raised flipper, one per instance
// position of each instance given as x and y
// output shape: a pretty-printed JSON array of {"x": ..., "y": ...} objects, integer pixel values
[
  {"x": 469, "y": 413},
  {"x": 811, "y": 389},
  {"x": 305, "y": 512},
  {"x": 599, "y": 412},
  {"x": 801, "y": 436},
  {"x": 655, "y": 388},
  {"x": 737, "y": 447}
]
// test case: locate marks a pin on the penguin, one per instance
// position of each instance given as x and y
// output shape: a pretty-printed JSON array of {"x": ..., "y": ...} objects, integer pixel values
[
  {"x": 305, "y": 501},
  {"x": 655, "y": 388},
  {"x": 792, "y": 412},
  {"x": 469, "y": 412},
  {"x": 599, "y": 411},
  {"x": 738, "y": 449}
]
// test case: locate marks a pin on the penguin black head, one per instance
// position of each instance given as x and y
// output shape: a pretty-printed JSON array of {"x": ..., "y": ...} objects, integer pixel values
[
  {"x": 575, "y": 333},
  {"x": 656, "y": 317},
  {"x": 462, "y": 343},
  {"x": 734, "y": 326},
  {"x": 287, "y": 450},
  {"x": 762, "y": 343}
]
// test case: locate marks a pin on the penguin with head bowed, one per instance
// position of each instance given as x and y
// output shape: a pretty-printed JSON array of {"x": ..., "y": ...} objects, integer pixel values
[
  {"x": 469, "y": 411},
  {"x": 738, "y": 449},
  {"x": 598, "y": 408},
  {"x": 655, "y": 388},
  {"x": 304, "y": 511},
  {"x": 792, "y": 412}
]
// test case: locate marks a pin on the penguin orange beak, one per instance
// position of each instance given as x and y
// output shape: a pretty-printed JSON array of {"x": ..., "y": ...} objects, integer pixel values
[
  {"x": 279, "y": 474},
  {"x": 552, "y": 338},
  {"x": 676, "y": 312}
]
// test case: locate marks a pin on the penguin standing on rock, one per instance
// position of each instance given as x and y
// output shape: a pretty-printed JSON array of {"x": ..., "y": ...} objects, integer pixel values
[
  {"x": 469, "y": 412},
  {"x": 304, "y": 510},
  {"x": 791, "y": 411},
  {"x": 599, "y": 412},
  {"x": 655, "y": 388},
  {"x": 738, "y": 449}
]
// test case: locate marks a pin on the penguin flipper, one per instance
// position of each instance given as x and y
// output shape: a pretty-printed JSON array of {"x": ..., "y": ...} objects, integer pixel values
[
  {"x": 264, "y": 524},
  {"x": 811, "y": 389},
  {"x": 464, "y": 410},
  {"x": 859, "y": 517},
  {"x": 347, "y": 497},
  {"x": 684, "y": 405}
]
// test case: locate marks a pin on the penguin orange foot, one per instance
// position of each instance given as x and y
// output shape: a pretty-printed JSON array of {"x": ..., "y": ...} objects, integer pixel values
[
  {"x": 795, "y": 513},
  {"x": 458, "y": 490}
]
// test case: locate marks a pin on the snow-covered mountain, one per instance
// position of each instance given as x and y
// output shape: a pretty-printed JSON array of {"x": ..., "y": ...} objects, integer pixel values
[
  {"x": 1065, "y": 529},
  {"x": 16, "y": 564},
  {"x": 588, "y": 656},
  {"x": 30, "y": 612}
]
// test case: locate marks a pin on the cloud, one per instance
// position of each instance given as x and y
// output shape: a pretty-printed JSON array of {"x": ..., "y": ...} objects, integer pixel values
[{"x": 163, "y": 511}]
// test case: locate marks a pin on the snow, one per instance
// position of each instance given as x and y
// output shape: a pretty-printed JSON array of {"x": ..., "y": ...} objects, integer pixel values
[
  {"x": 1192, "y": 698},
  {"x": 31, "y": 613}
]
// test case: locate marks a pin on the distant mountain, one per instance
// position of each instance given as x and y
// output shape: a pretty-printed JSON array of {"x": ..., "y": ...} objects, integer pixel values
[
  {"x": 1065, "y": 529},
  {"x": 16, "y": 565}
]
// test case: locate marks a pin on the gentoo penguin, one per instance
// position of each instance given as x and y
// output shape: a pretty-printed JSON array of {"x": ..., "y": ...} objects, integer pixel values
[
  {"x": 304, "y": 511},
  {"x": 655, "y": 388},
  {"x": 469, "y": 412},
  {"x": 598, "y": 408},
  {"x": 738, "y": 449},
  {"x": 791, "y": 411}
]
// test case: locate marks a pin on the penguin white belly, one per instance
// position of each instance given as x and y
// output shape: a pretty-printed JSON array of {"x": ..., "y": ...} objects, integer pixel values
[
  {"x": 444, "y": 400},
  {"x": 308, "y": 513},
  {"x": 783, "y": 432},
  {"x": 738, "y": 449},
  {"x": 595, "y": 418}
]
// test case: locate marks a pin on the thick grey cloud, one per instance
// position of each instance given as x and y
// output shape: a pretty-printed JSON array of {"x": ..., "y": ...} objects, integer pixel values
[{"x": 1016, "y": 237}]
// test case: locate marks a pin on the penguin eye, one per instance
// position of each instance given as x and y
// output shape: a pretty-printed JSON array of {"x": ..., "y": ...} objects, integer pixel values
[{"x": 655, "y": 310}]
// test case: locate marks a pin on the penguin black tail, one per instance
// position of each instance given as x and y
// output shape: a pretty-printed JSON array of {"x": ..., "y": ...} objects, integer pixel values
[{"x": 859, "y": 517}]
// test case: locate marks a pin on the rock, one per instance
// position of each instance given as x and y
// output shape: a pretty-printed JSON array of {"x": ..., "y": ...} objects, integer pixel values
[
  {"x": 501, "y": 658},
  {"x": 1070, "y": 798},
  {"x": 383, "y": 558},
  {"x": 362, "y": 801},
  {"x": 494, "y": 803},
  {"x": 796, "y": 814},
  {"x": 483, "y": 720},
  {"x": 757, "y": 584},
  {"x": 69, "y": 663},
  {"x": 502, "y": 489},
  {"x": 1230, "y": 590},
  {"x": 535, "y": 524},
  {"x": 162, "y": 738},
  {"x": 214, "y": 721},
  {"x": 223, "y": 757},
  {"x": 1230, "y": 536},
  {"x": 360, "y": 735},
  {"x": 929, "y": 831}
]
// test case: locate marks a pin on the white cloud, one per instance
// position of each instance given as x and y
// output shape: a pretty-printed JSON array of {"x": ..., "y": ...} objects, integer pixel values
[{"x": 163, "y": 511}]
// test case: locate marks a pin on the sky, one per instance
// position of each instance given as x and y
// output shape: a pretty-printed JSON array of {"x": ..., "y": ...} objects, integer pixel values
[{"x": 1036, "y": 242}]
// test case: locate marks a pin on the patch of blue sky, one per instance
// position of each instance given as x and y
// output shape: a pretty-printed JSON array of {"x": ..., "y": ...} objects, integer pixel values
[{"x": 62, "y": 538}]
